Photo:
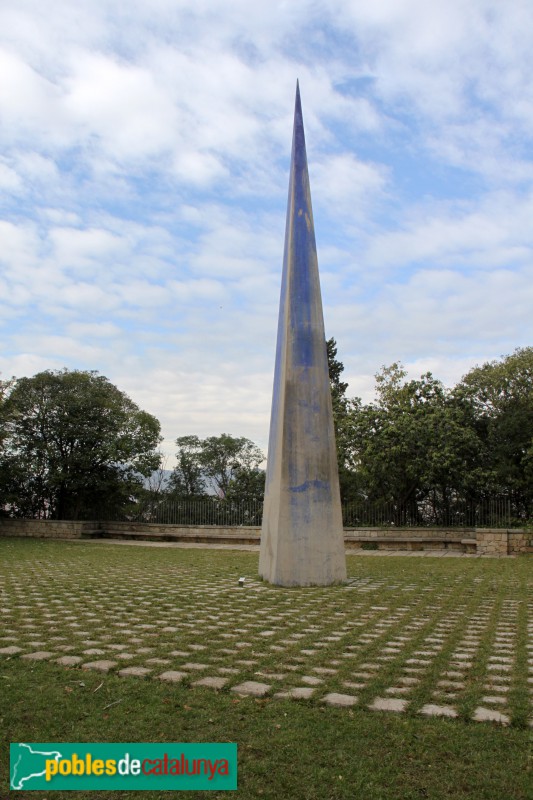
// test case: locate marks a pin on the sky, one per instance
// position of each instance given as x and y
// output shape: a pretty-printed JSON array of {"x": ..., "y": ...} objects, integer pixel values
[{"x": 144, "y": 161}]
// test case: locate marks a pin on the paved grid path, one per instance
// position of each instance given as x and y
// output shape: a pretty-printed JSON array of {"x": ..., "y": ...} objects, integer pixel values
[{"x": 463, "y": 649}]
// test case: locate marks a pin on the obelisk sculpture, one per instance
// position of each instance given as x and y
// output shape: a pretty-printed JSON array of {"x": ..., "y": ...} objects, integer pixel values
[{"x": 302, "y": 539}]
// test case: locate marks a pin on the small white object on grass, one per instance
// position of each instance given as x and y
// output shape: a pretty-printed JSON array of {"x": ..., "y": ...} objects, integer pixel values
[{"x": 241, "y": 581}]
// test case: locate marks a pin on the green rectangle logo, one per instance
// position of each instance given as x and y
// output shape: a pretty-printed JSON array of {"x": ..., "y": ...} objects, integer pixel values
[{"x": 84, "y": 766}]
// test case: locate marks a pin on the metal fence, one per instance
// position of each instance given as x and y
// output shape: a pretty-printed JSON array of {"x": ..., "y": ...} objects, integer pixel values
[
  {"x": 491, "y": 513},
  {"x": 192, "y": 512}
]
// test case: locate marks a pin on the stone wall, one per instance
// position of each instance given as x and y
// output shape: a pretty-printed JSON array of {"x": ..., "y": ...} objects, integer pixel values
[
  {"x": 65, "y": 529},
  {"x": 519, "y": 542},
  {"x": 46, "y": 528},
  {"x": 198, "y": 533},
  {"x": 442, "y": 534},
  {"x": 497, "y": 542},
  {"x": 491, "y": 542},
  {"x": 459, "y": 539}
]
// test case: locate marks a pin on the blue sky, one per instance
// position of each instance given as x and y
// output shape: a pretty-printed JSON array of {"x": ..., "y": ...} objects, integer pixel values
[{"x": 144, "y": 157}]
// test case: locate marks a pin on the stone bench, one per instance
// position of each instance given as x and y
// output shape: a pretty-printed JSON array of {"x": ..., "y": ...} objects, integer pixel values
[
  {"x": 206, "y": 535},
  {"x": 410, "y": 542},
  {"x": 92, "y": 534},
  {"x": 195, "y": 536}
]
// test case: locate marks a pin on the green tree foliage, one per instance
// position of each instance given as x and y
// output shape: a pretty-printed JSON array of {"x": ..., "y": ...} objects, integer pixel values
[
  {"x": 226, "y": 466},
  {"x": 187, "y": 478},
  {"x": 75, "y": 444},
  {"x": 336, "y": 368},
  {"x": 247, "y": 485},
  {"x": 5, "y": 387},
  {"x": 343, "y": 407},
  {"x": 414, "y": 444},
  {"x": 501, "y": 396},
  {"x": 427, "y": 449}
]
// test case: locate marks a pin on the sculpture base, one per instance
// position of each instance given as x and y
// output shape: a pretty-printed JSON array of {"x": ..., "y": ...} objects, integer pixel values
[{"x": 310, "y": 556}]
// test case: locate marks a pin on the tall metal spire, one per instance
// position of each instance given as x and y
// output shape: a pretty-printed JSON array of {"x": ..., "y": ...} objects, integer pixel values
[{"x": 302, "y": 539}]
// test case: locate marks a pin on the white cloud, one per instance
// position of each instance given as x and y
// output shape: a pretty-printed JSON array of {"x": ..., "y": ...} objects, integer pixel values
[
  {"x": 90, "y": 330},
  {"x": 9, "y": 180},
  {"x": 19, "y": 244},
  {"x": 346, "y": 186},
  {"x": 121, "y": 104},
  {"x": 26, "y": 364},
  {"x": 81, "y": 249},
  {"x": 60, "y": 347},
  {"x": 30, "y": 104},
  {"x": 201, "y": 289},
  {"x": 144, "y": 171},
  {"x": 493, "y": 231}
]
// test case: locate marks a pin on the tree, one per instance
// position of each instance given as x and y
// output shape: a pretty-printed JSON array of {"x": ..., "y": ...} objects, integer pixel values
[
  {"x": 216, "y": 465},
  {"x": 154, "y": 491},
  {"x": 5, "y": 387},
  {"x": 501, "y": 397},
  {"x": 75, "y": 443},
  {"x": 415, "y": 445},
  {"x": 336, "y": 368},
  {"x": 247, "y": 485},
  {"x": 342, "y": 409},
  {"x": 225, "y": 457},
  {"x": 187, "y": 479}
]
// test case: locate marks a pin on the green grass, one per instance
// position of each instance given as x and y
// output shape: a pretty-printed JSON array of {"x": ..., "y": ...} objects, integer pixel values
[{"x": 177, "y": 600}]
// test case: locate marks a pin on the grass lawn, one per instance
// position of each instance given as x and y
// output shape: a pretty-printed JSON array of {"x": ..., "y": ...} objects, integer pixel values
[{"x": 425, "y": 633}]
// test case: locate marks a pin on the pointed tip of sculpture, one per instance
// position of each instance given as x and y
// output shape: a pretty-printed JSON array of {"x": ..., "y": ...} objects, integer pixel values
[{"x": 298, "y": 115}]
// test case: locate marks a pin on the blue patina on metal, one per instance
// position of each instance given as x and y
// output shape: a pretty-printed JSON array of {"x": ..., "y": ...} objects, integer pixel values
[
  {"x": 310, "y": 484},
  {"x": 302, "y": 539}
]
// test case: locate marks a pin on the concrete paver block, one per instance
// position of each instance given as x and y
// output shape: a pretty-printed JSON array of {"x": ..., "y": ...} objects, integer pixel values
[
  {"x": 212, "y": 683},
  {"x": 102, "y": 666},
  {"x": 388, "y": 704},
  {"x": 490, "y": 715},
  {"x": 69, "y": 661},
  {"x": 254, "y": 688},
  {"x": 173, "y": 676},
  {"x": 311, "y": 680},
  {"x": 136, "y": 672},
  {"x": 432, "y": 710},
  {"x": 340, "y": 700},
  {"x": 40, "y": 655},
  {"x": 296, "y": 693}
]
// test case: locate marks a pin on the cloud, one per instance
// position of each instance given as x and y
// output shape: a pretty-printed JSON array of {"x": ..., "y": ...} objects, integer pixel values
[
  {"x": 9, "y": 180},
  {"x": 121, "y": 104},
  {"x": 99, "y": 330},
  {"x": 81, "y": 249},
  {"x": 347, "y": 186},
  {"x": 492, "y": 232},
  {"x": 59, "y": 348},
  {"x": 145, "y": 155},
  {"x": 235, "y": 401}
]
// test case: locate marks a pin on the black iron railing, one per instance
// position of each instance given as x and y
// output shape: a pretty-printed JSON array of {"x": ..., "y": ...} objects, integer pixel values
[
  {"x": 490, "y": 513},
  {"x": 495, "y": 512}
]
